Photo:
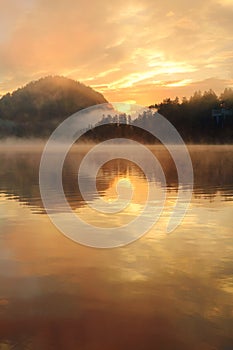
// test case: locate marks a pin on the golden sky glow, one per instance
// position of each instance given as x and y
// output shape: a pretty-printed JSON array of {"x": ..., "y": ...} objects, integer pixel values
[{"x": 138, "y": 50}]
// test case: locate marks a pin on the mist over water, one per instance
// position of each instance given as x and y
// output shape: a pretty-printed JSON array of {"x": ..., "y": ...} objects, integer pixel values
[{"x": 166, "y": 291}]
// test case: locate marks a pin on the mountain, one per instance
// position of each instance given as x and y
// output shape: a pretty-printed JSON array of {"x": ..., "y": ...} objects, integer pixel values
[{"x": 37, "y": 108}]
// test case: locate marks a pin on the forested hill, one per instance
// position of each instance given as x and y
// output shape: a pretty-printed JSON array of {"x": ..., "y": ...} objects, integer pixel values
[
  {"x": 203, "y": 118},
  {"x": 37, "y": 108}
]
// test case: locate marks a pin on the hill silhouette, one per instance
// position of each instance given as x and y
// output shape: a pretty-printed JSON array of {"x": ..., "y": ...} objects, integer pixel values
[{"x": 37, "y": 108}]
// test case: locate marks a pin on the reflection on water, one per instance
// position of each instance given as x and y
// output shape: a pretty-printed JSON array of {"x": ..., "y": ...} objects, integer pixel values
[{"x": 161, "y": 292}]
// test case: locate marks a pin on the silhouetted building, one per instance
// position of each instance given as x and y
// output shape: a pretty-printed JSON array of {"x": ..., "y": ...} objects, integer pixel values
[{"x": 220, "y": 115}]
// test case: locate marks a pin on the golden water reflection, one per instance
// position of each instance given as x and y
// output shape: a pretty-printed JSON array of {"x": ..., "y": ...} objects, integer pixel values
[{"x": 160, "y": 292}]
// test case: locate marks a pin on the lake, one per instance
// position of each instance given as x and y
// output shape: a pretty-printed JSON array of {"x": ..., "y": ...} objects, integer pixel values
[{"x": 163, "y": 291}]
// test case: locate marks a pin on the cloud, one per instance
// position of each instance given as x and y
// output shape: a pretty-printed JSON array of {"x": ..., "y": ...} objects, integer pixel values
[
  {"x": 170, "y": 14},
  {"x": 155, "y": 92},
  {"x": 119, "y": 47},
  {"x": 178, "y": 83}
]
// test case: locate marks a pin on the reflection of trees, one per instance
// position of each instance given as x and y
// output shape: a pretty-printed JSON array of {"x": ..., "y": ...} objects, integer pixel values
[
  {"x": 212, "y": 170},
  {"x": 19, "y": 174}
]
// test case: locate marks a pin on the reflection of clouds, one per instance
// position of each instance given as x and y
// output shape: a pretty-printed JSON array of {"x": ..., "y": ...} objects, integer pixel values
[{"x": 173, "y": 290}]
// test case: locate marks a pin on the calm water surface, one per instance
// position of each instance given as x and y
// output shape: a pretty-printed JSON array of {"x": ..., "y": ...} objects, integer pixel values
[{"x": 161, "y": 292}]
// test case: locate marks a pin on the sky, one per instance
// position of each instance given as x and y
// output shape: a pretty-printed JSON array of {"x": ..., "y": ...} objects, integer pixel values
[{"x": 139, "y": 51}]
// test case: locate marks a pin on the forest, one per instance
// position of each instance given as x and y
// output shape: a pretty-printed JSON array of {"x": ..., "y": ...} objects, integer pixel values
[
  {"x": 204, "y": 118},
  {"x": 38, "y": 108}
]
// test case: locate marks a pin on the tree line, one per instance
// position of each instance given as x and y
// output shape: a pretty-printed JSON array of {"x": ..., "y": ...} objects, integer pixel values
[
  {"x": 203, "y": 118},
  {"x": 38, "y": 108}
]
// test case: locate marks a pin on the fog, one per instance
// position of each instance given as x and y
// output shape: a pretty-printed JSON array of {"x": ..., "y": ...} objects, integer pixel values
[{"x": 28, "y": 144}]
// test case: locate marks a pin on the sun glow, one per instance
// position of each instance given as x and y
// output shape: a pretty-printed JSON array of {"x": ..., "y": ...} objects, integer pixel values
[
  {"x": 124, "y": 107},
  {"x": 179, "y": 83},
  {"x": 122, "y": 49}
]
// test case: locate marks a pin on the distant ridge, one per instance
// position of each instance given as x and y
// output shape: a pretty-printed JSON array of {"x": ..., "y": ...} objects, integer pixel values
[{"x": 38, "y": 107}]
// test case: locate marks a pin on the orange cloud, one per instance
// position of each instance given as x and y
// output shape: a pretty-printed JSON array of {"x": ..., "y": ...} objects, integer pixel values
[{"x": 126, "y": 50}]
